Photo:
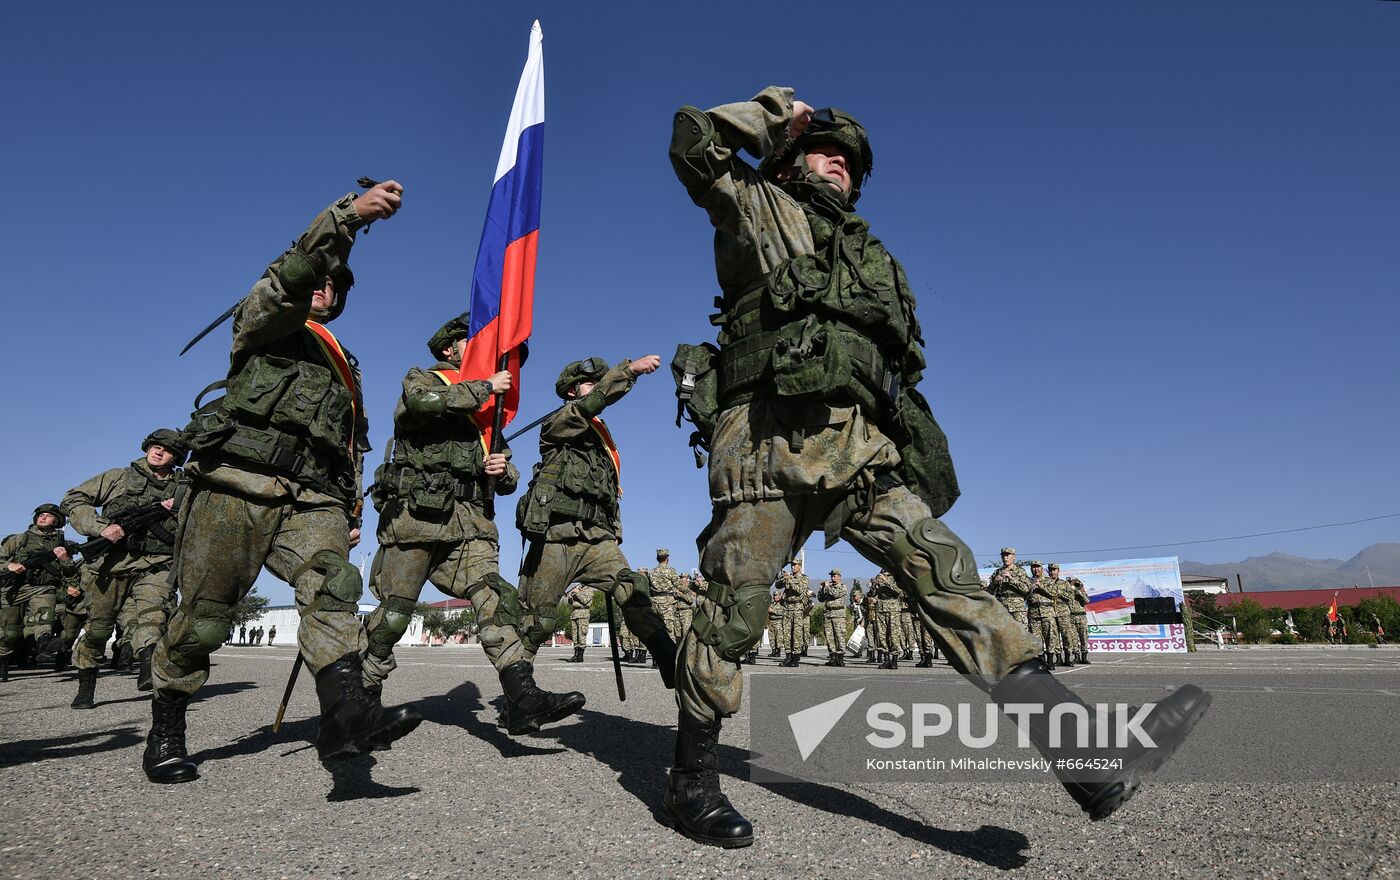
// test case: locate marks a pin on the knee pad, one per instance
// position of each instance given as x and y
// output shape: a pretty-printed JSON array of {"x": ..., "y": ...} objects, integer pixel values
[
  {"x": 732, "y": 620},
  {"x": 398, "y": 613},
  {"x": 951, "y": 566},
  {"x": 97, "y": 634},
  {"x": 641, "y": 587},
  {"x": 507, "y": 600},
  {"x": 340, "y": 586},
  {"x": 546, "y": 620},
  {"x": 209, "y": 625}
]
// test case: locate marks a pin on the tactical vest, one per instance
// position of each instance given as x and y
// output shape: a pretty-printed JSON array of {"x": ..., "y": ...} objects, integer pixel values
[
  {"x": 48, "y": 573},
  {"x": 286, "y": 411},
  {"x": 576, "y": 482},
  {"x": 435, "y": 466},
  {"x": 140, "y": 489}
]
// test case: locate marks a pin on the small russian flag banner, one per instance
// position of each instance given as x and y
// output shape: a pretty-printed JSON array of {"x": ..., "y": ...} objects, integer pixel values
[{"x": 503, "y": 283}]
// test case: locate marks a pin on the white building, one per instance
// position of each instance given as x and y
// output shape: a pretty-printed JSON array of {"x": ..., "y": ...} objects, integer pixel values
[{"x": 287, "y": 620}]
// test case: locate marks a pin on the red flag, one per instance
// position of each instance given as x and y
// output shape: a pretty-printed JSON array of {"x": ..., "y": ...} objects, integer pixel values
[{"x": 1332, "y": 612}]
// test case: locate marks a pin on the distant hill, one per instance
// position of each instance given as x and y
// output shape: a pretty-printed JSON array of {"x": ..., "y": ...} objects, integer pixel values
[{"x": 1282, "y": 571}]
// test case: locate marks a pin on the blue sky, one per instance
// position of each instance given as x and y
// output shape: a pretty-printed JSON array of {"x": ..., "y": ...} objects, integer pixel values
[{"x": 1154, "y": 245}]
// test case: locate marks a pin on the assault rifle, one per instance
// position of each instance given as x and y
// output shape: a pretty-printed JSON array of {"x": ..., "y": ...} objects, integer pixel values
[{"x": 132, "y": 522}]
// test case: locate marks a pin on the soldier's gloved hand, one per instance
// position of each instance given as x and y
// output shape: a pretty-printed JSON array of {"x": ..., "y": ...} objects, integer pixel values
[
  {"x": 114, "y": 533},
  {"x": 500, "y": 383},
  {"x": 643, "y": 365},
  {"x": 379, "y": 202},
  {"x": 801, "y": 118},
  {"x": 495, "y": 464}
]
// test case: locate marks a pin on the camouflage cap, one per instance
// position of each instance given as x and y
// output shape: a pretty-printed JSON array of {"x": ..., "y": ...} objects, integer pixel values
[
  {"x": 663, "y": 553},
  {"x": 1054, "y": 566},
  {"x": 834, "y": 571},
  {"x": 1008, "y": 551},
  {"x": 586, "y": 370},
  {"x": 1035, "y": 562},
  {"x": 454, "y": 329},
  {"x": 171, "y": 439}
]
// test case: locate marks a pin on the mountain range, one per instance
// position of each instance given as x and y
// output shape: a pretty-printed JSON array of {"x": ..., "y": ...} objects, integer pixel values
[{"x": 1378, "y": 564}]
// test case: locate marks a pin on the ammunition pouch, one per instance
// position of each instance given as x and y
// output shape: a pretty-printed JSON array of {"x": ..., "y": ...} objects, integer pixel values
[
  {"x": 697, "y": 393},
  {"x": 567, "y": 488}
]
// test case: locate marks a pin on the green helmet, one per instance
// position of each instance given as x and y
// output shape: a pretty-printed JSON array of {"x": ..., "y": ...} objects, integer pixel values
[
  {"x": 50, "y": 508},
  {"x": 172, "y": 440},
  {"x": 343, "y": 279},
  {"x": 586, "y": 370},
  {"x": 828, "y": 126},
  {"x": 456, "y": 328}
]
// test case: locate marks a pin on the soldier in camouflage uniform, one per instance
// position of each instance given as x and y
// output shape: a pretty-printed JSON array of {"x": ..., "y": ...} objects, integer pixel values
[
  {"x": 1067, "y": 645},
  {"x": 580, "y": 612},
  {"x": 812, "y": 421},
  {"x": 665, "y": 583},
  {"x": 275, "y": 481},
  {"x": 572, "y": 518},
  {"x": 875, "y": 643},
  {"x": 906, "y": 628},
  {"x": 776, "y": 615},
  {"x": 889, "y": 598},
  {"x": 132, "y": 579},
  {"x": 855, "y": 613},
  {"x": 1079, "y": 617},
  {"x": 796, "y": 595},
  {"x": 693, "y": 586},
  {"x": 928, "y": 651},
  {"x": 29, "y": 594},
  {"x": 433, "y": 527},
  {"x": 1012, "y": 587},
  {"x": 1042, "y": 614},
  {"x": 832, "y": 595},
  {"x": 72, "y": 616}
]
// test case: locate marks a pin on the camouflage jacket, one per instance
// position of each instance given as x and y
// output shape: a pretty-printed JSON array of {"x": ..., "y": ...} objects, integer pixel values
[
  {"x": 1012, "y": 586},
  {"x": 118, "y": 491},
  {"x": 435, "y": 479},
  {"x": 1063, "y": 593},
  {"x": 665, "y": 583},
  {"x": 271, "y": 321},
  {"x": 49, "y": 573},
  {"x": 1042, "y": 599},
  {"x": 888, "y": 596},
  {"x": 581, "y": 603},
  {"x": 775, "y": 610},
  {"x": 833, "y": 596},
  {"x": 1081, "y": 598},
  {"x": 797, "y": 591}
]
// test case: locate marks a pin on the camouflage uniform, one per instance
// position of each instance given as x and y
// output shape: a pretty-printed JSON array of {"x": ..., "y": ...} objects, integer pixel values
[
  {"x": 796, "y": 599},
  {"x": 832, "y": 595},
  {"x": 855, "y": 614},
  {"x": 1042, "y": 616},
  {"x": 130, "y": 583},
  {"x": 1067, "y": 646},
  {"x": 571, "y": 516},
  {"x": 666, "y": 595},
  {"x": 72, "y": 616},
  {"x": 875, "y": 640},
  {"x": 1079, "y": 616},
  {"x": 432, "y": 523},
  {"x": 776, "y": 614},
  {"x": 1012, "y": 587},
  {"x": 889, "y": 605},
  {"x": 28, "y": 602},
  {"x": 580, "y": 613},
  {"x": 692, "y": 588}
]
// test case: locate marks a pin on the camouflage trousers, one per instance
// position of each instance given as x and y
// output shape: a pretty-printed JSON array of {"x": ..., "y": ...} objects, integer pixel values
[
  {"x": 891, "y": 637},
  {"x": 793, "y": 633},
  {"x": 1046, "y": 629},
  {"x": 550, "y": 566},
  {"x": 906, "y": 629},
  {"x": 1023, "y": 618},
  {"x": 224, "y": 540},
  {"x": 460, "y": 568},
  {"x": 665, "y": 605},
  {"x": 629, "y": 639},
  {"x": 684, "y": 613},
  {"x": 71, "y": 622},
  {"x": 1080, "y": 623},
  {"x": 1069, "y": 637},
  {"x": 775, "y": 631},
  {"x": 834, "y": 628},
  {"x": 578, "y": 631},
  {"x": 137, "y": 600},
  {"x": 30, "y": 614},
  {"x": 746, "y": 545},
  {"x": 874, "y": 641}
]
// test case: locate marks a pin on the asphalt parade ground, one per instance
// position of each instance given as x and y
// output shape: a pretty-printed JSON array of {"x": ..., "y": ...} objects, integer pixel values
[{"x": 460, "y": 798}]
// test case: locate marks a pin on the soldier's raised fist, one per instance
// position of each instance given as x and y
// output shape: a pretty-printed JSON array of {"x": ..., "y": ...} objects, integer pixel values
[
  {"x": 380, "y": 201},
  {"x": 644, "y": 365}
]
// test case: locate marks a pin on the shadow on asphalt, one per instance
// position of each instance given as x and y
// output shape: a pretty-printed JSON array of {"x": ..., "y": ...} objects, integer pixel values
[
  {"x": 76, "y": 745},
  {"x": 462, "y": 707},
  {"x": 639, "y": 752},
  {"x": 351, "y": 781}
]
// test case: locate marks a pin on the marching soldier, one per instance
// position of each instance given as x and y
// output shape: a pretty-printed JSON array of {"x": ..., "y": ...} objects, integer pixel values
[
  {"x": 580, "y": 612},
  {"x": 72, "y": 615},
  {"x": 1012, "y": 587},
  {"x": 29, "y": 593},
  {"x": 833, "y": 599},
  {"x": 572, "y": 517},
  {"x": 275, "y": 481},
  {"x": 813, "y": 418},
  {"x": 1068, "y": 643},
  {"x": 1079, "y": 615},
  {"x": 132, "y": 579},
  {"x": 433, "y": 527}
]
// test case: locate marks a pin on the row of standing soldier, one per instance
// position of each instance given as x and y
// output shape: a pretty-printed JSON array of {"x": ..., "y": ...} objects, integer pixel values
[{"x": 1053, "y": 610}]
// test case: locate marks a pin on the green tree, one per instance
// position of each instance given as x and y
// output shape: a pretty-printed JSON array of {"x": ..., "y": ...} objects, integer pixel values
[
  {"x": 1386, "y": 609},
  {"x": 1311, "y": 622},
  {"x": 1252, "y": 620},
  {"x": 249, "y": 608}
]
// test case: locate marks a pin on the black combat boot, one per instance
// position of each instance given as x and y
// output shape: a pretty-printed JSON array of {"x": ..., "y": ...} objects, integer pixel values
[
  {"x": 908, "y": 654},
  {"x": 891, "y": 660},
  {"x": 776, "y": 652},
  {"x": 792, "y": 661},
  {"x": 751, "y": 658},
  {"x": 1100, "y": 792},
  {"x": 62, "y": 659},
  {"x": 840, "y": 659},
  {"x": 528, "y": 705},
  {"x": 578, "y": 655},
  {"x": 1067, "y": 659},
  {"x": 5, "y": 670},
  {"x": 1084, "y": 657},
  {"x": 353, "y": 722},
  {"x": 1048, "y": 660},
  {"x": 125, "y": 657},
  {"x": 143, "y": 678},
  {"x": 925, "y": 661},
  {"x": 87, "y": 689},
  {"x": 24, "y": 658},
  {"x": 166, "y": 760},
  {"x": 693, "y": 800}
]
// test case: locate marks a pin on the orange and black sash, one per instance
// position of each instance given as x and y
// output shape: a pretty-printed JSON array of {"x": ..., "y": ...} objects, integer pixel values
[
  {"x": 340, "y": 365},
  {"x": 452, "y": 377},
  {"x": 610, "y": 448}
]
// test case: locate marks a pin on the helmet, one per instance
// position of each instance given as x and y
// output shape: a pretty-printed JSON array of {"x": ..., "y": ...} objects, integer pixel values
[
  {"x": 586, "y": 370},
  {"x": 456, "y": 328},
  {"x": 343, "y": 279},
  {"x": 50, "y": 508},
  {"x": 171, "y": 439},
  {"x": 828, "y": 126}
]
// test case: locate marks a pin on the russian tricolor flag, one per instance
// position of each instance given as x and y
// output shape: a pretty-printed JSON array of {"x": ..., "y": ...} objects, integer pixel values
[{"x": 503, "y": 283}]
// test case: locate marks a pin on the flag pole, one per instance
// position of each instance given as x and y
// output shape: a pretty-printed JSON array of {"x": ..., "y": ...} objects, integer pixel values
[{"x": 498, "y": 423}]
